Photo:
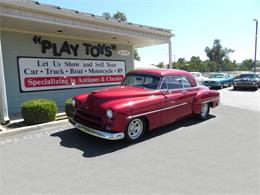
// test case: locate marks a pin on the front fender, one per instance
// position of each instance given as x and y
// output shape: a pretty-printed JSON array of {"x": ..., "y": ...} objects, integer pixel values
[{"x": 130, "y": 108}]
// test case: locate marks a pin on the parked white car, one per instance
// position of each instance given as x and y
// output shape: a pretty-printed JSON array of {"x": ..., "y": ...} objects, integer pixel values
[{"x": 199, "y": 77}]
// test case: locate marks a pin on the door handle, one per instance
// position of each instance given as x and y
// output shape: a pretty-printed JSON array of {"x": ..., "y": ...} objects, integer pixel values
[{"x": 184, "y": 91}]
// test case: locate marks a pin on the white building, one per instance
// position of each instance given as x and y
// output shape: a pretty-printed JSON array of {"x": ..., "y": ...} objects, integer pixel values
[{"x": 55, "y": 53}]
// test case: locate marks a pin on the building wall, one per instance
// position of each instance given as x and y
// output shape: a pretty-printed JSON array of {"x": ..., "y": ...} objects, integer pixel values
[{"x": 21, "y": 44}]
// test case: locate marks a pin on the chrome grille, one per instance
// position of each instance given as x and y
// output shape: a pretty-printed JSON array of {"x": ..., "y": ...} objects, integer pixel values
[{"x": 88, "y": 119}]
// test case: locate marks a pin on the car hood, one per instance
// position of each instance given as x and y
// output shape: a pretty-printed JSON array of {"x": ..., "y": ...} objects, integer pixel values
[
  {"x": 104, "y": 98},
  {"x": 119, "y": 92}
]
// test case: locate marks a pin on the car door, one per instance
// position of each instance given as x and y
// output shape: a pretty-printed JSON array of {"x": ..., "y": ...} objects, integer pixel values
[
  {"x": 178, "y": 97},
  {"x": 188, "y": 92}
]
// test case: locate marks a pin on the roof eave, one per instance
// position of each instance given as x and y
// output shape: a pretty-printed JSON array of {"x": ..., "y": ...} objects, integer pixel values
[{"x": 73, "y": 14}]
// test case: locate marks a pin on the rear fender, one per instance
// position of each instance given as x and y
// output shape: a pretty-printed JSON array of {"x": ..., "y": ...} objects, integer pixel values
[{"x": 205, "y": 96}]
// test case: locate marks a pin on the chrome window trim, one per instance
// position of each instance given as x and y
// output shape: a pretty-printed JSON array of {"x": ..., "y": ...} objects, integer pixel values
[
  {"x": 154, "y": 111},
  {"x": 163, "y": 78},
  {"x": 181, "y": 89}
]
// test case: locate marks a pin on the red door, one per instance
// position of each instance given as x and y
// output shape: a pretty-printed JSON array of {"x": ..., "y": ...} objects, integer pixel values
[{"x": 178, "y": 98}]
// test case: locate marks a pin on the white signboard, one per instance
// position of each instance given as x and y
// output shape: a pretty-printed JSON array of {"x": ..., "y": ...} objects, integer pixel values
[{"x": 48, "y": 74}]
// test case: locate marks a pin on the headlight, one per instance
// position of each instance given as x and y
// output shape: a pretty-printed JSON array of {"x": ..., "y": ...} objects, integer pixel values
[
  {"x": 73, "y": 103},
  {"x": 254, "y": 83},
  {"x": 109, "y": 114}
]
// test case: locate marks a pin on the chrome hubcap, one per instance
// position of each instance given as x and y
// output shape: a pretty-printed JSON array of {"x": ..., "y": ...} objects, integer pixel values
[
  {"x": 204, "y": 110},
  {"x": 135, "y": 128}
]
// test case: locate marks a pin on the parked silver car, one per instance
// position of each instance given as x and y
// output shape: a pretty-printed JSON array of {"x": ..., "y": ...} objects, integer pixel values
[{"x": 199, "y": 77}]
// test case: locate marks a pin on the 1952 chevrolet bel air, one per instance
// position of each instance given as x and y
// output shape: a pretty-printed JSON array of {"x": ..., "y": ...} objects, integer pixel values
[{"x": 146, "y": 99}]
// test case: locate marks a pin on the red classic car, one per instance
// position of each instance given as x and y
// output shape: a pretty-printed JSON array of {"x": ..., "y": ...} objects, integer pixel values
[{"x": 145, "y": 100}]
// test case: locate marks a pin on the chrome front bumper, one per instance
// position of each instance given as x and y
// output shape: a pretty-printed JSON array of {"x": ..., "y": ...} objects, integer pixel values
[
  {"x": 95, "y": 132},
  {"x": 249, "y": 85},
  {"x": 212, "y": 84}
]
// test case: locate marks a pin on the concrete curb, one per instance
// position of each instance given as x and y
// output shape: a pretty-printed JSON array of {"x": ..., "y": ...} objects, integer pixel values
[{"x": 9, "y": 132}]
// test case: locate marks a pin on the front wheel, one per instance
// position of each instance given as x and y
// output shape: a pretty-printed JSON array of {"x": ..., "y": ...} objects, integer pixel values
[
  {"x": 204, "y": 111},
  {"x": 135, "y": 130}
]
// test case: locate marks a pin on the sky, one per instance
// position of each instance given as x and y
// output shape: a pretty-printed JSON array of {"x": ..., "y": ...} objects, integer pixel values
[{"x": 195, "y": 23}]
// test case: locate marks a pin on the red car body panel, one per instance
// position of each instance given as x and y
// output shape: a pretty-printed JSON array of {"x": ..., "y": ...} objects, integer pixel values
[{"x": 156, "y": 106}]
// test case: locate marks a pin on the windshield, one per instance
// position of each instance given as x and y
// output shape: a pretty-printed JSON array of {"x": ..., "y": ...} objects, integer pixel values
[
  {"x": 247, "y": 76},
  {"x": 217, "y": 76},
  {"x": 146, "y": 81}
]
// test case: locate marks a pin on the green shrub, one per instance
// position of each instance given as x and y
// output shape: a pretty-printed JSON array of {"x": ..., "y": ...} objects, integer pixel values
[
  {"x": 69, "y": 109},
  {"x": 38, "y": 111}
]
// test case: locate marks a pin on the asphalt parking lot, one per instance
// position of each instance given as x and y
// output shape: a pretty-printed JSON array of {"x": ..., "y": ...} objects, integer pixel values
[
  {"x": 216, "y": 156},
  {"x": 245, "y": 99}
]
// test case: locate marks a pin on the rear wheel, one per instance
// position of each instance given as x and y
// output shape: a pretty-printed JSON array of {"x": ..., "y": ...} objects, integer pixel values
[
  {"x": 204, "y": 111},
  {"x": 135, "y": 130}
]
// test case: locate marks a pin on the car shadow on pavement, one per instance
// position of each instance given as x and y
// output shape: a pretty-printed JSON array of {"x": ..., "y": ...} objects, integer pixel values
[{"x": 92, "y": 146}]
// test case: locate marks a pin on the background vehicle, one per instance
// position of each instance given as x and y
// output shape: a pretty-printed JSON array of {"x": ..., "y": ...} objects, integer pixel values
[
  {"x": 199, "y": 77},
  {"x": 218, "y": 80},
  {"x": 147, "y": 99},
  {"x": 249, "y": 80}
]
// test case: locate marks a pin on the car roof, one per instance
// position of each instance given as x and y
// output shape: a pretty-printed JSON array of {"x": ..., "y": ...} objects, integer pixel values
[
  {"x": 159, "y": 72},
  {"x": 165, "y": 72}
]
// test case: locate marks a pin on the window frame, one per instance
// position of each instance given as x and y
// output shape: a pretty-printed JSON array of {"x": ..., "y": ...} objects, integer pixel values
[{"x": 163, "y": 79}]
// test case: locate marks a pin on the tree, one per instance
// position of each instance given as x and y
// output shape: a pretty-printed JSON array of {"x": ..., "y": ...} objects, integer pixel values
[
  {"x": 257, "y": 63},
  {"x": 195, "y": 64},
  {"x": 107, "y": 15},
  {"x": 218, "y": 54},
  {"x": 181, "y": 61},
  {"x": 160, "y": 65},
  {"x": 247, "y": 64},
  {"x": 136, "y": 55},
  {"x": 181, "y": 64},
  {"x": 228, "y": 65},
  {"x": 211, "y": 66},
  {"x": 121, "y": 17}
]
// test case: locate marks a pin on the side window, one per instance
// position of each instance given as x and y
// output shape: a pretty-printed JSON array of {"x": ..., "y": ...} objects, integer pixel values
[
  {"x": 148, "y": 80},
  {"x": 138, "y": 80},
  {"x": 174, "y": 82},
  {"x": 186, "y": 83},
  {"x": 134, "y": 80}
]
